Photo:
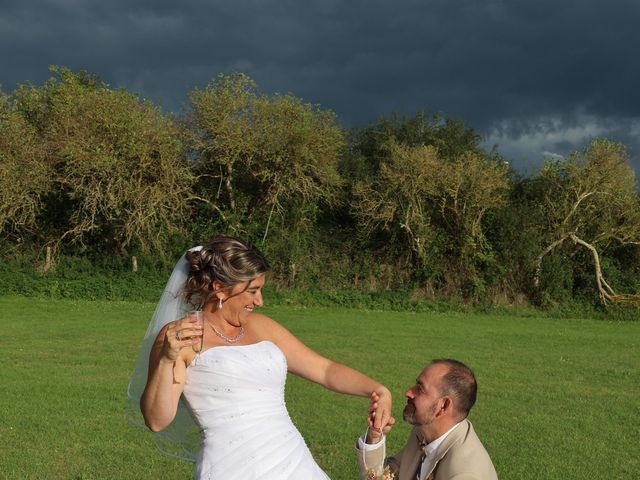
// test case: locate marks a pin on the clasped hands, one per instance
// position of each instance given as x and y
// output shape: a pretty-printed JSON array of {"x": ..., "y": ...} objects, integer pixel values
[{"x": 379, "y": 418}]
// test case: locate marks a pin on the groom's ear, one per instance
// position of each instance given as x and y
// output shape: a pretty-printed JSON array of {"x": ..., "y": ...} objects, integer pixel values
[{"x": 446, "y": 406}]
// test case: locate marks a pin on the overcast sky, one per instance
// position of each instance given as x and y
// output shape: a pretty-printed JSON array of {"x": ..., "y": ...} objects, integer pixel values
[{"x": 536, "y": 77}]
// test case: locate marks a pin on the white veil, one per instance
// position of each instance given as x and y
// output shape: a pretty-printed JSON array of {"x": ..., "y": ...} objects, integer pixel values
[{"x": 181, "y": 439}]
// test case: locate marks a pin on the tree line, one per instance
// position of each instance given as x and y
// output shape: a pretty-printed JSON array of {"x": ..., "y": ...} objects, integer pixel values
[{"x": 411, "y": 203}]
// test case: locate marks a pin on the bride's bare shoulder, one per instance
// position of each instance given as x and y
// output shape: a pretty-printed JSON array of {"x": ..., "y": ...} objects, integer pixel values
[
  {"x": 266, "y": 327},
  {"x": 260, "y": 320}
]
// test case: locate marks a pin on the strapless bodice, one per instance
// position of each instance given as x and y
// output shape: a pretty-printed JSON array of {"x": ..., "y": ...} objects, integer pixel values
[{"x": 236, "y": 396}]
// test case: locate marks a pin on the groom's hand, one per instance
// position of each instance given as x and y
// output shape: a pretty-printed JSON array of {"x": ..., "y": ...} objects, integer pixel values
[
  {"x": 380, "y": 408},
  {"x": 375, "y": 434}
]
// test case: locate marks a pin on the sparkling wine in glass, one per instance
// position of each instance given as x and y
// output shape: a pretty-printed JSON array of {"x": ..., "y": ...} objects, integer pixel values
[{"x": 199, "y": 322}]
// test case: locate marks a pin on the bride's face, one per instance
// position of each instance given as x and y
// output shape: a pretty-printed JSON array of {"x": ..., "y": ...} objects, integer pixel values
[{"x": 242, "y": 300}]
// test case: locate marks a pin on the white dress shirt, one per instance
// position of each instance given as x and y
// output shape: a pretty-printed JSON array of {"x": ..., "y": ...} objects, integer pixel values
[{"x": 431, "y": 447}]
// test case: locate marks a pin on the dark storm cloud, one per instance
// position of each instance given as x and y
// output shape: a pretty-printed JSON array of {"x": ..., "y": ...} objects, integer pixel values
[{"x": 537, "y": 77}]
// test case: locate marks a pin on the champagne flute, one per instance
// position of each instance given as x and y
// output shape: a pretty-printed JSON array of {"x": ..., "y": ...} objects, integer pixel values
[{"x": 200, "y": 323}]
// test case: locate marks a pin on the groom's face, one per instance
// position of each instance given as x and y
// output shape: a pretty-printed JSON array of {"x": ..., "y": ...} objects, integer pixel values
[{"x": 423, "y": 399}]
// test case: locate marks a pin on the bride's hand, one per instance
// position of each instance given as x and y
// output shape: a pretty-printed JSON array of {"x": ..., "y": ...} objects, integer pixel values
[
  {"x": 380, "y": 409},
  {"x": 179, "y": 334}
]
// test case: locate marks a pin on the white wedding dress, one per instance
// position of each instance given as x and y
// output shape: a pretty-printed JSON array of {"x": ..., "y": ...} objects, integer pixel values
[{"x": 236, "y": 397}]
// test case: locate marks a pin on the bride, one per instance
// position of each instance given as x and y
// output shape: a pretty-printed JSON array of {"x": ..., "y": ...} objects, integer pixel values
[{"x": 229, "y": 371}]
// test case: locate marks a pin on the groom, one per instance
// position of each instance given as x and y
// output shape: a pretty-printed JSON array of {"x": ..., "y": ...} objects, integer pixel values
[{"x": 442, "y": 444}]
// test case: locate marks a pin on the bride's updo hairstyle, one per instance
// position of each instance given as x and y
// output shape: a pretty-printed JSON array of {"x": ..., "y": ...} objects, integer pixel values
[{"x": 225, "y": 259}]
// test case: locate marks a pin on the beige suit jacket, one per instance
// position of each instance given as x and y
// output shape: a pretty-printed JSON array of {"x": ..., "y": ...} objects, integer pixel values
[{"x": 461, "y": 457}]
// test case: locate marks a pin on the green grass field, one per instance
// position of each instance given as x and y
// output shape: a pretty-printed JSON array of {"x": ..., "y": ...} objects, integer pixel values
[{"x": 558, "y": 399}]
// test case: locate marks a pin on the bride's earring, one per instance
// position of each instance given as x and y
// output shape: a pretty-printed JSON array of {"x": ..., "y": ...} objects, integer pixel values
[{"x": 219, "y": 304}]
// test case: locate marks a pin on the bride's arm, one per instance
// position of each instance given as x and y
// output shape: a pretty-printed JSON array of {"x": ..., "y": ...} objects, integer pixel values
[
  {"x": 307, "y": 363},
  {"x": 165, "y": 381}
]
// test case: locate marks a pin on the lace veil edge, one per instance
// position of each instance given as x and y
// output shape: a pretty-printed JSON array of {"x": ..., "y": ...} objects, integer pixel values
[{"x": 181, "y": 439}]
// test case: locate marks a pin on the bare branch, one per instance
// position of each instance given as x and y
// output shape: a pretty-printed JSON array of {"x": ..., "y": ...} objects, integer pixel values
[
  {"x": 606, "y": 293},
  {"x": 539, "y": 258}
]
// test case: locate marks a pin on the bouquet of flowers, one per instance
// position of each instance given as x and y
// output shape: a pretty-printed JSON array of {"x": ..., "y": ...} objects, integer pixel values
[{"x": 387, "y": 474}]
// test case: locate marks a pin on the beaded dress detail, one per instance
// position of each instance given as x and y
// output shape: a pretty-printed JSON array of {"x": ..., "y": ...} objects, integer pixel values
[{"x": 236, "y": 396}]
